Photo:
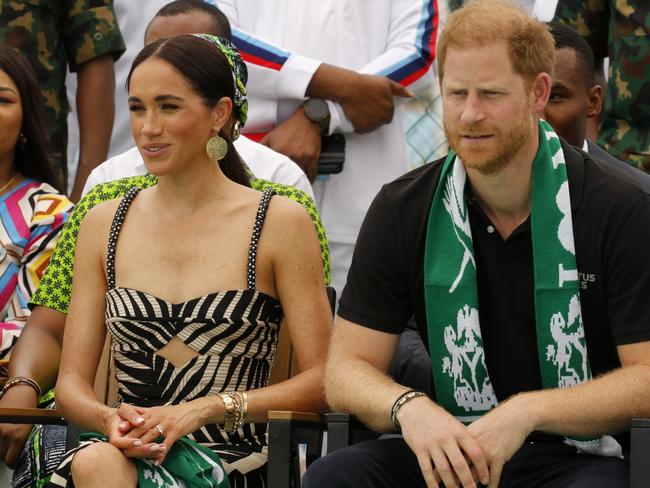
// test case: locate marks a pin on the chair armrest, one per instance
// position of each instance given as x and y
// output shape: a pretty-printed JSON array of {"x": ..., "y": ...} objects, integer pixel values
[
  {"x": 344, "y": 430},
  {"x": 295, "y": 416},
  {"x": 639, "y": 449},
  {"x": 286, "y": 431},
  {"x": 31, "y": 416}
]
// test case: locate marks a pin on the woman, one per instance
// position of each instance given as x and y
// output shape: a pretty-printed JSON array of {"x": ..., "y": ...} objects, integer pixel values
[
  {"x": 32, "y": 211},
  {"x": 187, "y": 357}
]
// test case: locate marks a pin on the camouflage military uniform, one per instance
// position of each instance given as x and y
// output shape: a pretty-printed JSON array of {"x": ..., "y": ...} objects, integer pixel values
[
  {"x": 53, "y": 35},
  {"x": 619, "y": 29}
]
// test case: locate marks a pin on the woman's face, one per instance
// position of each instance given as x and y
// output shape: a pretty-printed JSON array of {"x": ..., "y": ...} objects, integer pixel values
[
  {"x": 169, "y": 121},
  {"x": 11, "y": 116}
]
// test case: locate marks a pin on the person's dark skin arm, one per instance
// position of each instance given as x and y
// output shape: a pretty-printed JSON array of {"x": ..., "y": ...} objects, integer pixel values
[
  {"x": 96, "y": 113},
  {"x": 367, "y": 101},
  {"x": 36, "y": 355}
]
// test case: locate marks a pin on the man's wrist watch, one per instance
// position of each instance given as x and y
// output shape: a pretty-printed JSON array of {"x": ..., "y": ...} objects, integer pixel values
[{"x": 317, "y": 111}]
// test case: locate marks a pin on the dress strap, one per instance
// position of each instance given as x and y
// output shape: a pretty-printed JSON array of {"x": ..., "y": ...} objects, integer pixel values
[
  {"x": 255, "y": 239},
  {"x": 116, "y": 226}
]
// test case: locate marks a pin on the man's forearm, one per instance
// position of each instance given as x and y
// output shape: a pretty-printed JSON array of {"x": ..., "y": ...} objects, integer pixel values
[
  {"x": 330, "y": 82},
  {"x": 96, "y": 113},
  {"x": 355, "y": 386},
  {"x": 602, "y": 406}
]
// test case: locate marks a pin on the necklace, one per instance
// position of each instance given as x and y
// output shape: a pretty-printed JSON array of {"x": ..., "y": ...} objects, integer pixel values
[{"x": 8, "y": 184}]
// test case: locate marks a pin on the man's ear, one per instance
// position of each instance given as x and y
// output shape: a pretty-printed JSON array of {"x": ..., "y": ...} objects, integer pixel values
[
  {"x": 595, "y": 105},
  {"x": 540, "y": 92}
]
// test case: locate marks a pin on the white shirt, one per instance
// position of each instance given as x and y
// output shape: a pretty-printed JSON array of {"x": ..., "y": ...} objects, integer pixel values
[
  {"x": 378, "y": 37},
  {"x": 265, "y": 163}
]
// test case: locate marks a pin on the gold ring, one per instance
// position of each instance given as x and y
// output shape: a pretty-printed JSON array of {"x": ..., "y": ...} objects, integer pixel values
[{"x": 160, "y": 429}]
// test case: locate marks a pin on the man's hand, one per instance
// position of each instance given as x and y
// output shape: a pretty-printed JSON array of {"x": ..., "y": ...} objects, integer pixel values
[
  {"x": 501, "y": 433},
  {"x": 13, "y": 436},
  {"x": 368, "y": 102},
  {"x": 298, "y": 138},
  {"x": 435, "y": 435}
]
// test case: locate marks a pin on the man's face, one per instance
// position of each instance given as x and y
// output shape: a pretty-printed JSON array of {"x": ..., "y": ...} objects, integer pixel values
[
  {"x": 195, "y": 22},
  {"x": 486, "y": 107},
  {"x": 569, "y": 105}
]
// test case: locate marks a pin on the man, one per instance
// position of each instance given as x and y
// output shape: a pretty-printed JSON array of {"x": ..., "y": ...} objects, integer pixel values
[
  {"x": 318, "y": 68},
  {"x": 85, "y": 37},
  {"x": 189, "y": 17},
  {"x": 37, "y": 352},
  {"x": 544, "y": 245},
  {"x": 576, "y": 97},
  {"x": 619, "y": 30}
]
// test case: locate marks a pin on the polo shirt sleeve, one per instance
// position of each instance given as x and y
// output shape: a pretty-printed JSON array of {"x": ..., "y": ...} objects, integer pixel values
[
  {"x": 627, "y": 273},
  {"x": 376, "y": 294},
  {"x": 89, "y": 30}
]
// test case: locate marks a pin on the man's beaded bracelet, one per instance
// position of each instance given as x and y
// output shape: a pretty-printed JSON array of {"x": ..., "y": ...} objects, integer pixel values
[
  {"x": 21, "y": 380},
  {"x": 399, "y": 403}
]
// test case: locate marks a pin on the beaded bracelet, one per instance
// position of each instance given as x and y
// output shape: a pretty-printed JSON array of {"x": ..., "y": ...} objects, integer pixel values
[
  {"x": 399, "y": 403},
  {"x": 21, "y": 380}
]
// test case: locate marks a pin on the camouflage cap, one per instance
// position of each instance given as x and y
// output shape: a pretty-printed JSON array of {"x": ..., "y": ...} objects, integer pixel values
[{"x": 239, "y": 73}]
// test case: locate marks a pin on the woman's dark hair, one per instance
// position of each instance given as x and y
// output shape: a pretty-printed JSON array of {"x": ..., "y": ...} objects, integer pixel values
[
  {"x": 207, "y": 71},
  {"x": 31, "y": 156}
]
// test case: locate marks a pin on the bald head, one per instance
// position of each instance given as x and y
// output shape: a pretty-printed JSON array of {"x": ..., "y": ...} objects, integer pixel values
[{"x": 187, "y": 17}]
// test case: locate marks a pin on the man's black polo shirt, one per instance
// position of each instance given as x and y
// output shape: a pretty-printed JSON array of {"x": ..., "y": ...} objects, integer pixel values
[{"x": 611, "y": 222}]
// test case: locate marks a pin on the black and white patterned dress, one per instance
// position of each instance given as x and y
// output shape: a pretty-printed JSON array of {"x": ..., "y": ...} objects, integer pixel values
[{"x": 234, "y": 332}]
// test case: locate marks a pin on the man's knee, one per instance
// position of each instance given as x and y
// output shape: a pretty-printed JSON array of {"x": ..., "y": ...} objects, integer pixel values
[
  {"x": 330, "y": 471},
  {"x": 371, "y": 464}
]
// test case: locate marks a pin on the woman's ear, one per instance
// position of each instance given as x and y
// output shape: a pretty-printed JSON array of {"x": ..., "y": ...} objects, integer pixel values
[{"x": 220, "y": 113}]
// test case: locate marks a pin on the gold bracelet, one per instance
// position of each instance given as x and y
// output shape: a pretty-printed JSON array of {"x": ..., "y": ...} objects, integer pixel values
[
  {"x": 21, "y": 380},
  {"x": 229, "y": 418},
  {"x": 241, "y": 407}
]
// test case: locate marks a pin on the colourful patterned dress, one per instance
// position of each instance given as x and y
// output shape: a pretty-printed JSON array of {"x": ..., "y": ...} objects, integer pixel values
[{"x": 32, "y": 215}]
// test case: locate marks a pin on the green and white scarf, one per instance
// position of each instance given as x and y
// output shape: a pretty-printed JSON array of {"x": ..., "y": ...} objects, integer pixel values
[{"x": 460, "y": 374}]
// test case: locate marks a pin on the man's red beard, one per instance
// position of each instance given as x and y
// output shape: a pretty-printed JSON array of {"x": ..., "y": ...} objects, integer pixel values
[{"x": 492, "y": 149}]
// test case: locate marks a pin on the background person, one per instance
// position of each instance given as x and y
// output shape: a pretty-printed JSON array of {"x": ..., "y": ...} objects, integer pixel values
[
  {"x": 192, "y": 17},
  {"x": 620, "y": 31},
  {"x": 80, "y": 35},
  {"x": 32, "y": 211},
  {"x": 321, "y": 69}
]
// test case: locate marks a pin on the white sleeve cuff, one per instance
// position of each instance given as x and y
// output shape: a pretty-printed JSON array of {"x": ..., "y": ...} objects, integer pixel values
[
  {"x": 338, "y": 121},
  {"x": 295, "y": 75}
]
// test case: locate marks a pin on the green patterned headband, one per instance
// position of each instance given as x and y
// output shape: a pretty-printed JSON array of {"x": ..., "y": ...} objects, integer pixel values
[{"x": 239, "y": 73}]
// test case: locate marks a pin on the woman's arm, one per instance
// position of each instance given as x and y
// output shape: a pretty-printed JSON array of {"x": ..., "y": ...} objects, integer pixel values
[
  {"x": 289, "y": 238},
  {"x": 85, "y": 330}
]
